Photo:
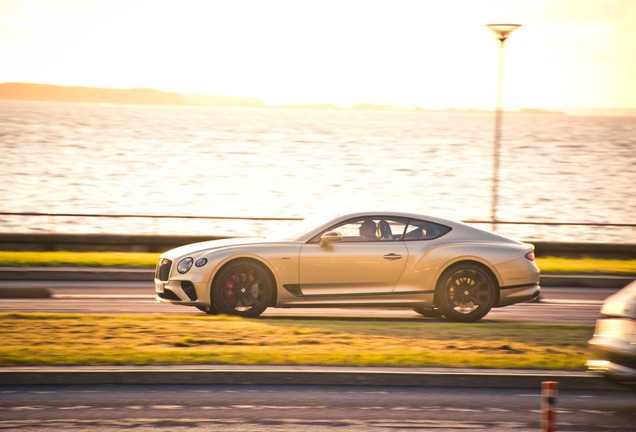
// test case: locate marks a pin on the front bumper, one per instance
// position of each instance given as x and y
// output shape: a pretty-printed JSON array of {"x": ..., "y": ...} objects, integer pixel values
[
  {"x": 614, "y": 342},
  {"x": 181, "y": 302},
  {"x": 613, "y": 371}
]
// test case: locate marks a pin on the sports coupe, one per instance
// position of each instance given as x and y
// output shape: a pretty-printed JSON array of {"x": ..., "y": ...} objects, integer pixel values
[{"x": 393, "y": 260}]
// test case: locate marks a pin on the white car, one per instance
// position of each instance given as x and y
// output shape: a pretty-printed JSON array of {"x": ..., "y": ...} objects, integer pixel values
[{"x": 432, "y": 265}]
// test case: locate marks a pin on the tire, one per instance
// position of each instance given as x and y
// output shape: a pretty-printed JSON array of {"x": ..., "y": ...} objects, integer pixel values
[
  {"x": 243, "y": 288},
  {"x": 428, "y": 313},
  {"x": 465, "y": 292},
  {"x": 210, "y": 310}
]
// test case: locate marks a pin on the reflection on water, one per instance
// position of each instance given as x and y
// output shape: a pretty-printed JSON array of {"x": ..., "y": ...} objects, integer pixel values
[{"x": 83, "y": 158}]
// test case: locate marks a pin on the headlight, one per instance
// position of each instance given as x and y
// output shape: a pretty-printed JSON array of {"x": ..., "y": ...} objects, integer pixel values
[
  {"x": 201, "y": 262},
  {"x": 185, "y": 265}
]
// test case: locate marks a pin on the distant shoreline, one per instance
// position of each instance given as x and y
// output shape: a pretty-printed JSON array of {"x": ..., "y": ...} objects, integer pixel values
[{"x": 143, "y": 96}]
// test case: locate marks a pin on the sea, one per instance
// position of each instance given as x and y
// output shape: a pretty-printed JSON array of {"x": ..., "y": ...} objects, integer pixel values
[{"x": 241, "y": 166}]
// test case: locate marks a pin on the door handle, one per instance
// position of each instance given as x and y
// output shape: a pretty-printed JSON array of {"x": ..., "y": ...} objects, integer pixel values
[{"x": 392, "y": 256}]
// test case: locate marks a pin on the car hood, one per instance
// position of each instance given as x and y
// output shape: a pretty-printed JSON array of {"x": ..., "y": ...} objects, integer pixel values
[{"x": 196, "y": 248}]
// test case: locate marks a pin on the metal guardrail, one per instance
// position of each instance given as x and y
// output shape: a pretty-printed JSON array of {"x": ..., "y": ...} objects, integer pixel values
[
  {"x": 97, "y": 215},
  {"x": 249, "y": 218}
]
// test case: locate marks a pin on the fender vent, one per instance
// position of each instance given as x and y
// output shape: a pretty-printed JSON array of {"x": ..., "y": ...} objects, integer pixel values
[
  {"x": 169, "y": 295},
  {"x": 188, "y": 288},
  {"x": 294, "y": 289}
]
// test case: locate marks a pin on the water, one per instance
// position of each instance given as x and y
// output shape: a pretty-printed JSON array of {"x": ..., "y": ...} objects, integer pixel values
[{"x": 90, "y": 158}]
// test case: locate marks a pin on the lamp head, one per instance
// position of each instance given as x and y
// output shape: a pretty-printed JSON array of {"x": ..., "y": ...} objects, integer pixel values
[{"x": 503, "y": 30}]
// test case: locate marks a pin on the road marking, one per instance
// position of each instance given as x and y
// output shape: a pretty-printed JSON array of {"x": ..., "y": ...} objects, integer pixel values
[
  {"x": 597, "y": 412},
  {"x": 572, "y": 302},
  {"x": 28, "y": 408},
  {"x": 166, "y": 407},
  {"x": 77, "y": 407},
  {"x": 461, "y": 409}
]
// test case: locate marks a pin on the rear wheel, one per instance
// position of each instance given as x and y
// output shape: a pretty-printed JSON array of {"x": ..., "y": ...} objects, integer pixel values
[
  {"x": 466, "y": 292},
  {"x": 242, "y": 288}
]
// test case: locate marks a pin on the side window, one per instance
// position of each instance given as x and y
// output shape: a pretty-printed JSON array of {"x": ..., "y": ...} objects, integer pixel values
[
  {"x": 422, "y": 230},
  {"x": 371, "y": 229}
]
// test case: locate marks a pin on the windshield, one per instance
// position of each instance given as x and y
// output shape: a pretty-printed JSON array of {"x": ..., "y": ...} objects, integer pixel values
[{"x": 300, "y": 228}]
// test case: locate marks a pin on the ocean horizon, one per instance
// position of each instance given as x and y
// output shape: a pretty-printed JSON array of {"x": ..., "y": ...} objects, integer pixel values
[{"x": 259, "y": 162}]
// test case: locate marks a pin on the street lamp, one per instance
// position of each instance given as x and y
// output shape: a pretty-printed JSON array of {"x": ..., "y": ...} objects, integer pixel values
[{"x": 502, "y": 31}]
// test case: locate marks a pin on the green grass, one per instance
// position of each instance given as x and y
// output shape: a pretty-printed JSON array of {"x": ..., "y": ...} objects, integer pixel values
[
  {"x": 64, "y": 339},
  {"x": 552, "y": 265},
  {"x": 548, "y": 265},
  {"x": 78, "y": 259}
]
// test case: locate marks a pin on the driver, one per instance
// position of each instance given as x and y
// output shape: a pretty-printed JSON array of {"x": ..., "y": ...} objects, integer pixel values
[{"x": 368, "y": 230}]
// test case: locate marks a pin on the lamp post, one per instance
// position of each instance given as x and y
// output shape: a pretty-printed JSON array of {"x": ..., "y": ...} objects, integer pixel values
[{"x": 502, "y": 31}]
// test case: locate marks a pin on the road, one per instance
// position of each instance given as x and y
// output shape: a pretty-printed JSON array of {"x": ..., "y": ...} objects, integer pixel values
[
  {"x": 305, "y": 408},
  {"x": 576, "y": 306}
]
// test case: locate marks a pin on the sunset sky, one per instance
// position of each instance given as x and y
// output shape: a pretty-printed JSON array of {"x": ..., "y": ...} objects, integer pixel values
[{"x": 427, "y": 53}]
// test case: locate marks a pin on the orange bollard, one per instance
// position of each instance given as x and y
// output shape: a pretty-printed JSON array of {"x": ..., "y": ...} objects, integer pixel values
[{"x": 549, "y": 393}]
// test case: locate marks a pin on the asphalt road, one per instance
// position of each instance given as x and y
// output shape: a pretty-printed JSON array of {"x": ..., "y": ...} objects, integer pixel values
[
  {"x": 305, "y": 408},
  {"x": 577, "y": 306}
]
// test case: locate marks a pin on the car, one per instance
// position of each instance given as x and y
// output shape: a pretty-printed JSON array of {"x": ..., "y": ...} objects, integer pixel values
[
  {"x": 614, "y": 339},
  {"x": 394, "y": 260}
]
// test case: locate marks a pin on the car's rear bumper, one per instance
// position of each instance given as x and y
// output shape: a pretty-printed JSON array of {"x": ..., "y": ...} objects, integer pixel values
[{"x": 518, "y": 294}]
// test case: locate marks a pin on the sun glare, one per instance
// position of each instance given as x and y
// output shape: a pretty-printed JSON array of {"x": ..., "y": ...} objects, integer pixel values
[{"x": 405, "y": 53}]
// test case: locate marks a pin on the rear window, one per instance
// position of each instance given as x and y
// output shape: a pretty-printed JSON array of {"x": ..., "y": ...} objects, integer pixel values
[{"x": 423, "y": 230}]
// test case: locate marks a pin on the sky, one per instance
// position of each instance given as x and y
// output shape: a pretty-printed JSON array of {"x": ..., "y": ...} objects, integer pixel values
[{"x": 428, "y": 53}]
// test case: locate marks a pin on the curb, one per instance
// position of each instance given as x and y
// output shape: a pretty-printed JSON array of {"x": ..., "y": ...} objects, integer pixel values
[{"x": 324, "y": 376}]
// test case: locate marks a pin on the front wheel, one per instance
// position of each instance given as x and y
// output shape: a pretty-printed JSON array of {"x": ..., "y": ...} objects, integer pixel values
[
  {"x": 465, "y": 293},
  {"x": 242, "y": 288}
]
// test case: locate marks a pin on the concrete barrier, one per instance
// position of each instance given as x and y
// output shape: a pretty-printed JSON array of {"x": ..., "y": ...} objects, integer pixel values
[
  {"x": 162, "y": 243},
  {"x": 24, "y": 293}
]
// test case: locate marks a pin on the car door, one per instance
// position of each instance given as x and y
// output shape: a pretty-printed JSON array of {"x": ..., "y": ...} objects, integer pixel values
[{"x": 358, "y": 265}]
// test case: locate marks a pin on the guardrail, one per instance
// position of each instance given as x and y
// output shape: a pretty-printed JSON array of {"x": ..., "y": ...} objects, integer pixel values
[
  {"x": 153, "y": 242},
  {"x": 52, "y": 217}
]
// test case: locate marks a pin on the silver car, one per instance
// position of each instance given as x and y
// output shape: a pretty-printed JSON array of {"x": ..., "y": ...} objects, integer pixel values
[
  {"x": 614, "y": 340},
  {"x": 432, "y": 265}
]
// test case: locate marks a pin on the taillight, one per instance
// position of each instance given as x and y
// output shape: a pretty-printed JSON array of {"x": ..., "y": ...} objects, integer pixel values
[{"x": 530, "y": 256}]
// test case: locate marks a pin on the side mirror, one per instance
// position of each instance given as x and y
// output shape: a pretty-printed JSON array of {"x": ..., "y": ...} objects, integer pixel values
[{"x": 330, "y": 237}]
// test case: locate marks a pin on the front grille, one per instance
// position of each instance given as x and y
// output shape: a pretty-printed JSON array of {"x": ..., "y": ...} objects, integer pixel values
[{"x": 163, "y": 269}]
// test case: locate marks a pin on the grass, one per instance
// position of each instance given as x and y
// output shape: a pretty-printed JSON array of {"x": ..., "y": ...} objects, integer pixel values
[
  {"x": 548, "y": 265},
  {"x": 78, "y": 259},
  {"x": 64, "y": 339},
  {"x": 552, "y": 265}
]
